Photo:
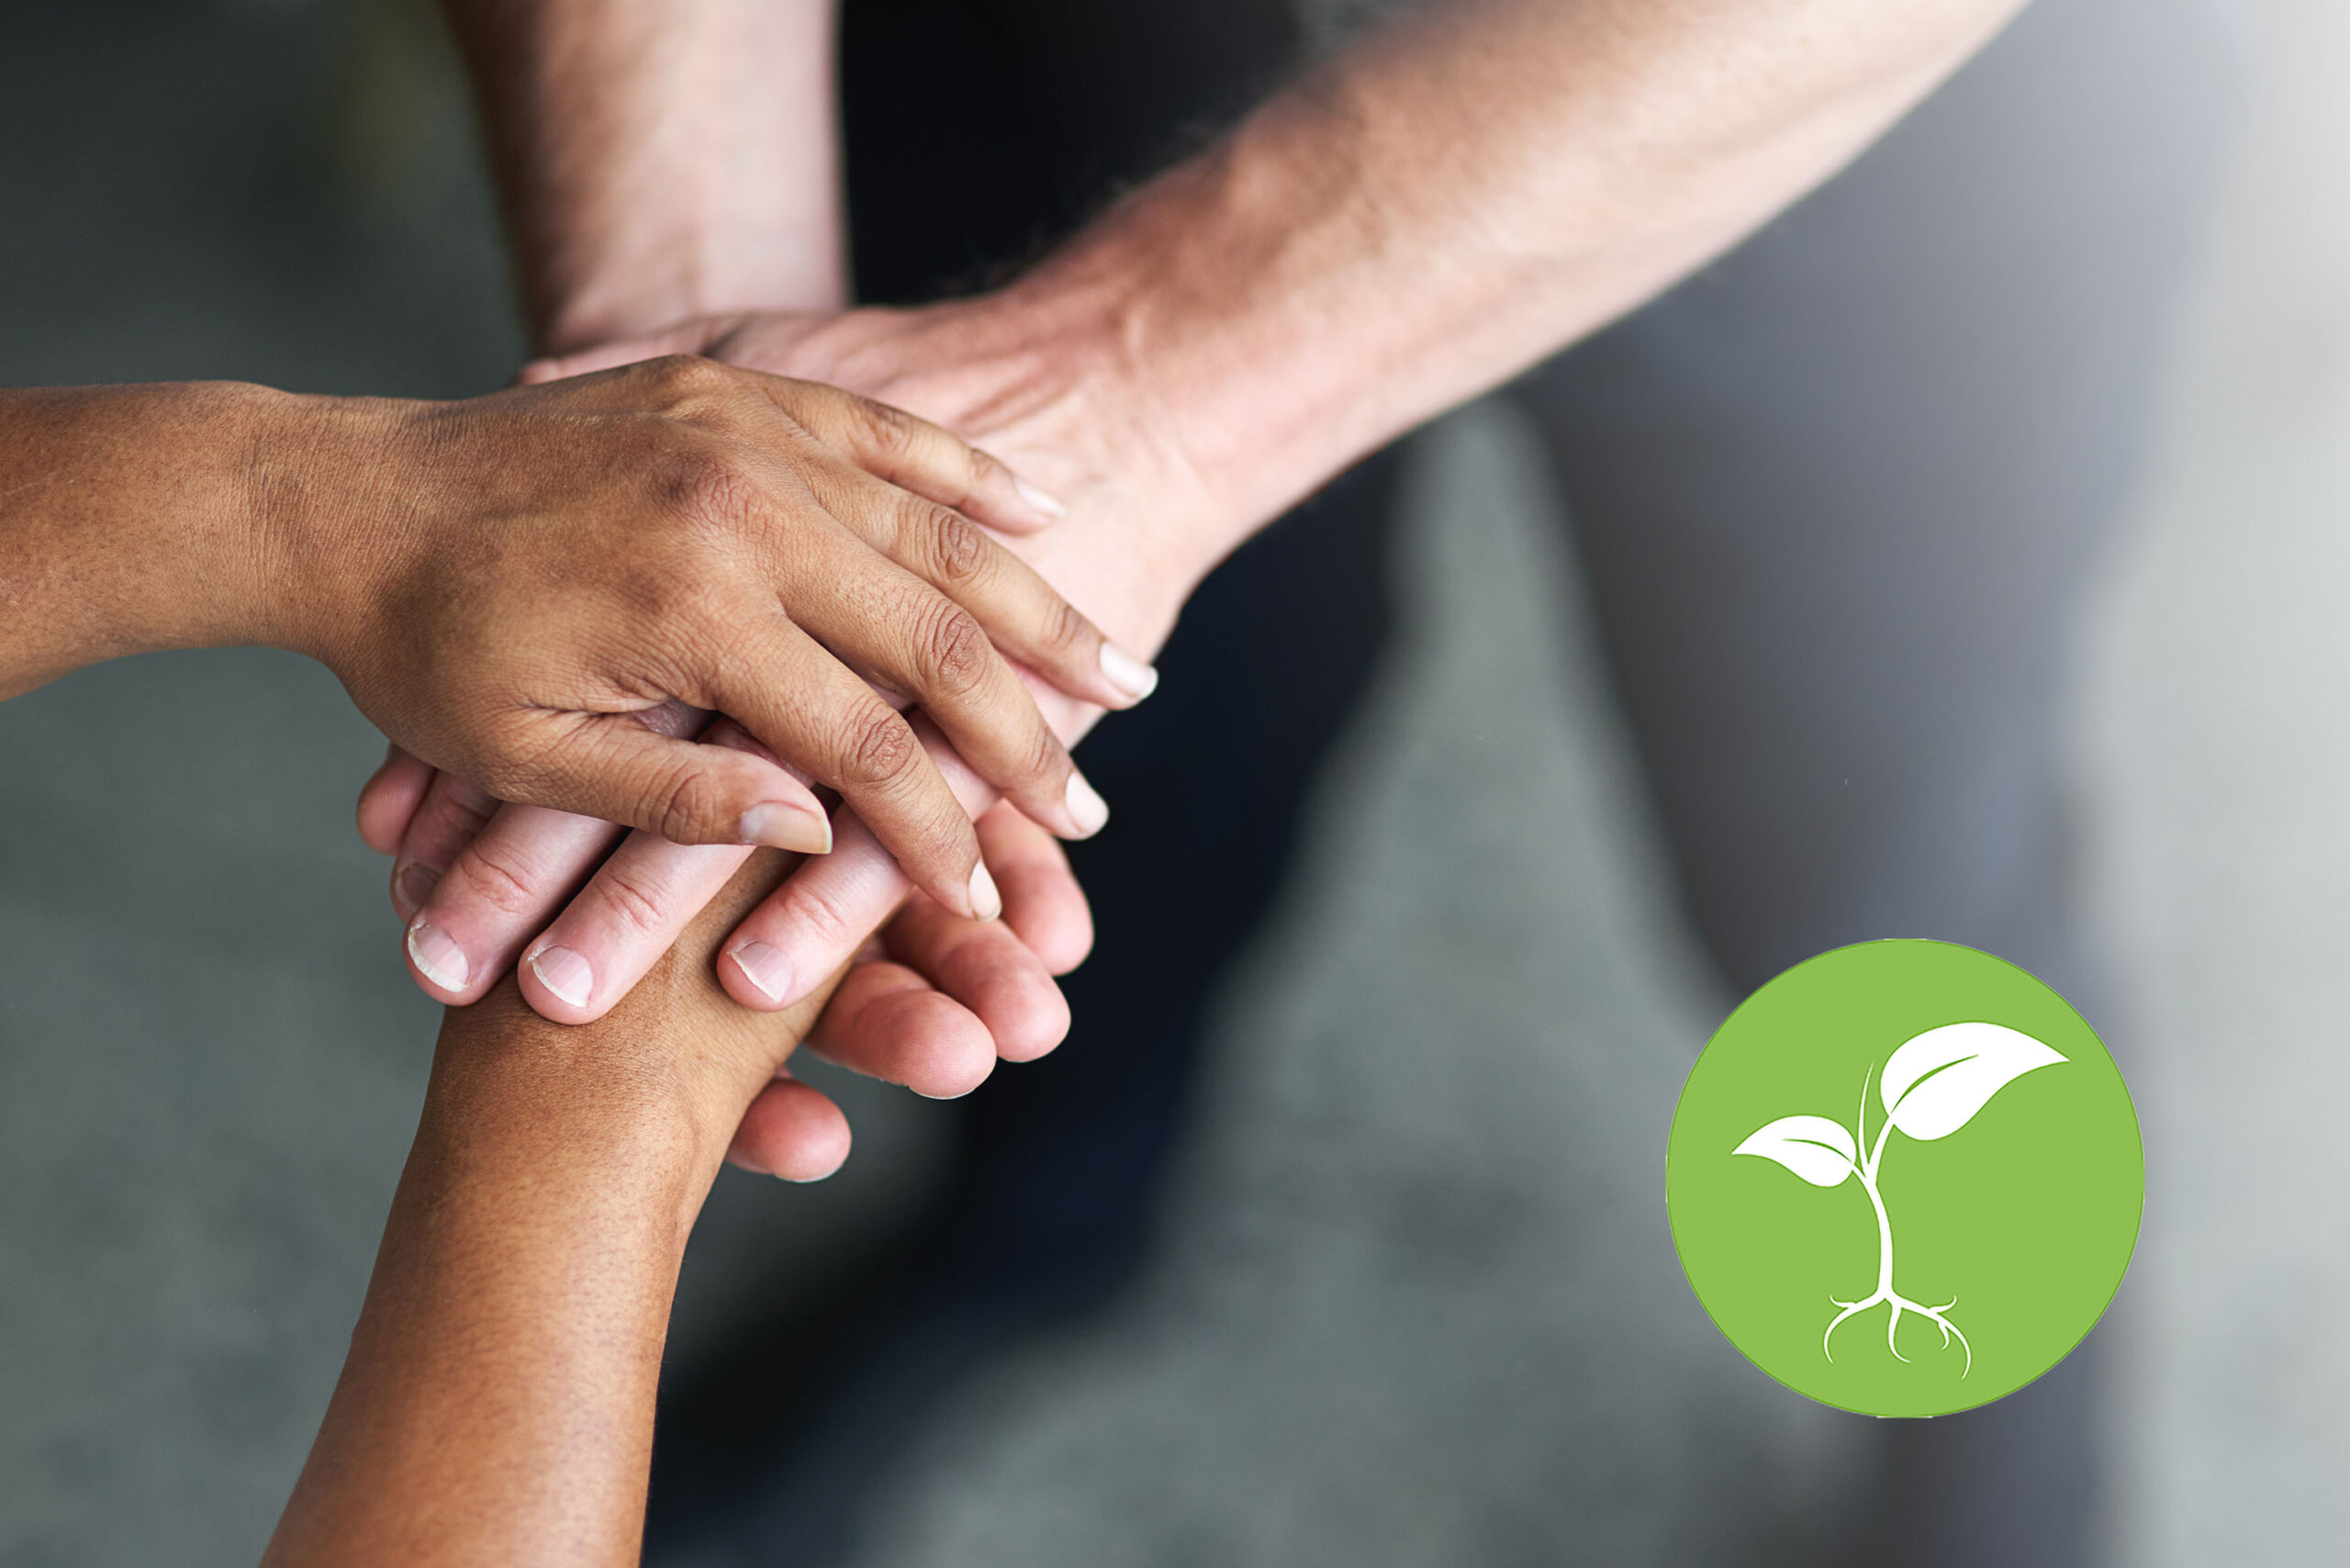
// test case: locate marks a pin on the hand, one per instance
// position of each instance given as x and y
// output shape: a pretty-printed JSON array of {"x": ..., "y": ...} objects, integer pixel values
[
  {"x": 1129, "y": 540},
  {"x": 993, "y": 996},
  {"x": 552, "y": 566}
]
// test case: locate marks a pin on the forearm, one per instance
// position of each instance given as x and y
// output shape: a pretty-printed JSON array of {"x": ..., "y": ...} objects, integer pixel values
[
  {"x": 497, "y": 1402},
  {"x": 1459, "y": 195},
  {"x": 139, "y": 518},
  {"x": 660, "y": 158}
]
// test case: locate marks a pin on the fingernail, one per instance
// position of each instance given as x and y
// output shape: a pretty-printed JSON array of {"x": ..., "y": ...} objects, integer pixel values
[
  {"x": 412, "y": 884},
  {"x": 986, "y": 902},
  {"x": 1048, "y": 504},
  {"x": 1127, "y": 673},
  {"x": 785, "y": 824},
  {"x": 566, "y": 973},
  {"x": 438, "y": 957},
  {"x": 766, "y": 968},
  {"x": 1086, "y": 808}
]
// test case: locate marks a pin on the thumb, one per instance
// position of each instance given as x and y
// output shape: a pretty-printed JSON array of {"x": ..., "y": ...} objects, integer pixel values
[
  {"x": 610, "y": 766},
  {"x": 692, "y": 337}
]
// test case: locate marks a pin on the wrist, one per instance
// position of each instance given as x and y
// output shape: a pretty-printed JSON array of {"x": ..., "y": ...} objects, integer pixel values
[
  {"x": 135, "y": 524},
  {"x": 1173, "y": 321},
  {"x": 1052, "y": 375},
  {"x": 623, "y": 1122},
  {"x": 330, "y": 491}
]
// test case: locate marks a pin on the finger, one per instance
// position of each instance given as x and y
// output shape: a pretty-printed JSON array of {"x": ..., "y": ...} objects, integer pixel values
[
  {"x": 630, "y": 914},
  {"x": 915, "y": 455},
  {"x": 627, "y": 916},
  {"x": 1042, "y": 900},
  {"x": 387, "y": 802},
  {"x": 903, "y": 636},
  {"x": 803, "y": 703},
  {"x": 889, "y": 1023},
  {"x": 496, "y": 900},
  {"x": 615, "y": 766},
  {"x": 1023, "y": 614},
  {"x": 814, "y": 925},
  {"x": 827, "y": 909},
  {"x": 985, "y": 968},
  {"x": 693, "y": 337},
  {"x": 497, "y": 891},
  {"x": 451, "y": 812},
  {"x": 792, "y": 1131}
]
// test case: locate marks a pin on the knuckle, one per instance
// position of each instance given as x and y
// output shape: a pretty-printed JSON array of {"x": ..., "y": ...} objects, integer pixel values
[
  {"x": 680, "y": 613},
  {"x": 880, "y": 750},
  {"x": 889, "y": 430},
  {"x": 685, "y": 376},
  {"x": 460, "y": 812},
  {"x": 955, "y": 653},
  {"x": 960, "y": 554},
  {"x": 1045, "y": 759},
  {"x": 984, "y": 471},
  {"x": 820, "y": 914},
  {"x": 707, "y": 488},
  {"x": 1065, "y": 630},
  {"x": 631, "y": 902},
  {"x": 689, "y": 807},
  {"x": 490, "y": 875}
]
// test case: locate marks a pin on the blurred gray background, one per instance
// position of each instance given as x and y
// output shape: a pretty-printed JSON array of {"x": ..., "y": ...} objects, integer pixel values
[{"x": 1417, "y": 1303}]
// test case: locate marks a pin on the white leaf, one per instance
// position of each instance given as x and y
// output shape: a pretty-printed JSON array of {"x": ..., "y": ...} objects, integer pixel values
[
  {"x": 1812, "y": 1147},
  {"x": 1936, "y": 1081}
]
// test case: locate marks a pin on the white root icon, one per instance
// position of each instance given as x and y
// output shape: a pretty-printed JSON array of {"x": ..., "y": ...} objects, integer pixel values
[{"x": 1931, "y": 1086}]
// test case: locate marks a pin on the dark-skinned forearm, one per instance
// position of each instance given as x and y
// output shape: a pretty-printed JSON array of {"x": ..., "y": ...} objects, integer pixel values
[
  {"x": 497, "y": 1402},
  {"x": 134, "y": 519}
]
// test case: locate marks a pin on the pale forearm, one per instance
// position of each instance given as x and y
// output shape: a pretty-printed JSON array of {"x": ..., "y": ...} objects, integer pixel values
[
  {"x": 1463, "y": 193},
  {"x": 661, "y": 158}
]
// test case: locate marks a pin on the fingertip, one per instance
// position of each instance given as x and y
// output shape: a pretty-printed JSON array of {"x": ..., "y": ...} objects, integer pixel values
[
  {"x": 889, "y": 1023},
  {"x": 803, "y": 828},
  {"x": 1040, "y": 502},
  {"x": 559, "y": 983},
  {"x": 1034, "y": 1026},
  {"x": 983, "y": 899},
  {"x": 440, "y": 966},
  {"x": 759, "y": 975},
  {"x": 1128, "y": 675},
  {"x": 943, "y": 1051},
  {"x": 389, "y": 800},
  {"x": 1058, "y": 930},
  {"x": 792, "y": 1132},
  {"x": 1008, "y": 503}
]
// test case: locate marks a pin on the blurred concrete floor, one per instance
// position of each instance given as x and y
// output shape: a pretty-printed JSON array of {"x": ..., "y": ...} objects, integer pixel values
[{"x": 1418, "y": 1304}]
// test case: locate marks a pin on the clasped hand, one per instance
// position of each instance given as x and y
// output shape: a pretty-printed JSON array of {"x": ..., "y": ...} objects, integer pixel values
[{"x": 937, "y": 996}]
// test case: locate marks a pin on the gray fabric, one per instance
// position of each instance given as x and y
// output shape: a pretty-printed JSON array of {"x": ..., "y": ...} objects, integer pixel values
[{"x": 1837, "y": 497}]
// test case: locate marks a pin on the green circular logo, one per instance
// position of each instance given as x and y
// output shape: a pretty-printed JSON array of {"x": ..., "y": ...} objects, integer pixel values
[{"x": 1905, "y": 1178}]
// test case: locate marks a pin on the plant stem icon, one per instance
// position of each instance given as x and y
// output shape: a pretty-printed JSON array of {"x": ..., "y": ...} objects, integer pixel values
[{"x": 1932, "y": 1085}]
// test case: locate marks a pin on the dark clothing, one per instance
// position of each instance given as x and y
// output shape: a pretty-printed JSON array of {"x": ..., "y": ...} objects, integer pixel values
[{"x": 1836, "y": 498}]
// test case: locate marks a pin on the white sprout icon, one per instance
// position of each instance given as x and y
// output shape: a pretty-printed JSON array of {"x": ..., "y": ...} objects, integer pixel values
[{"x": 1932, "y": 1085}]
